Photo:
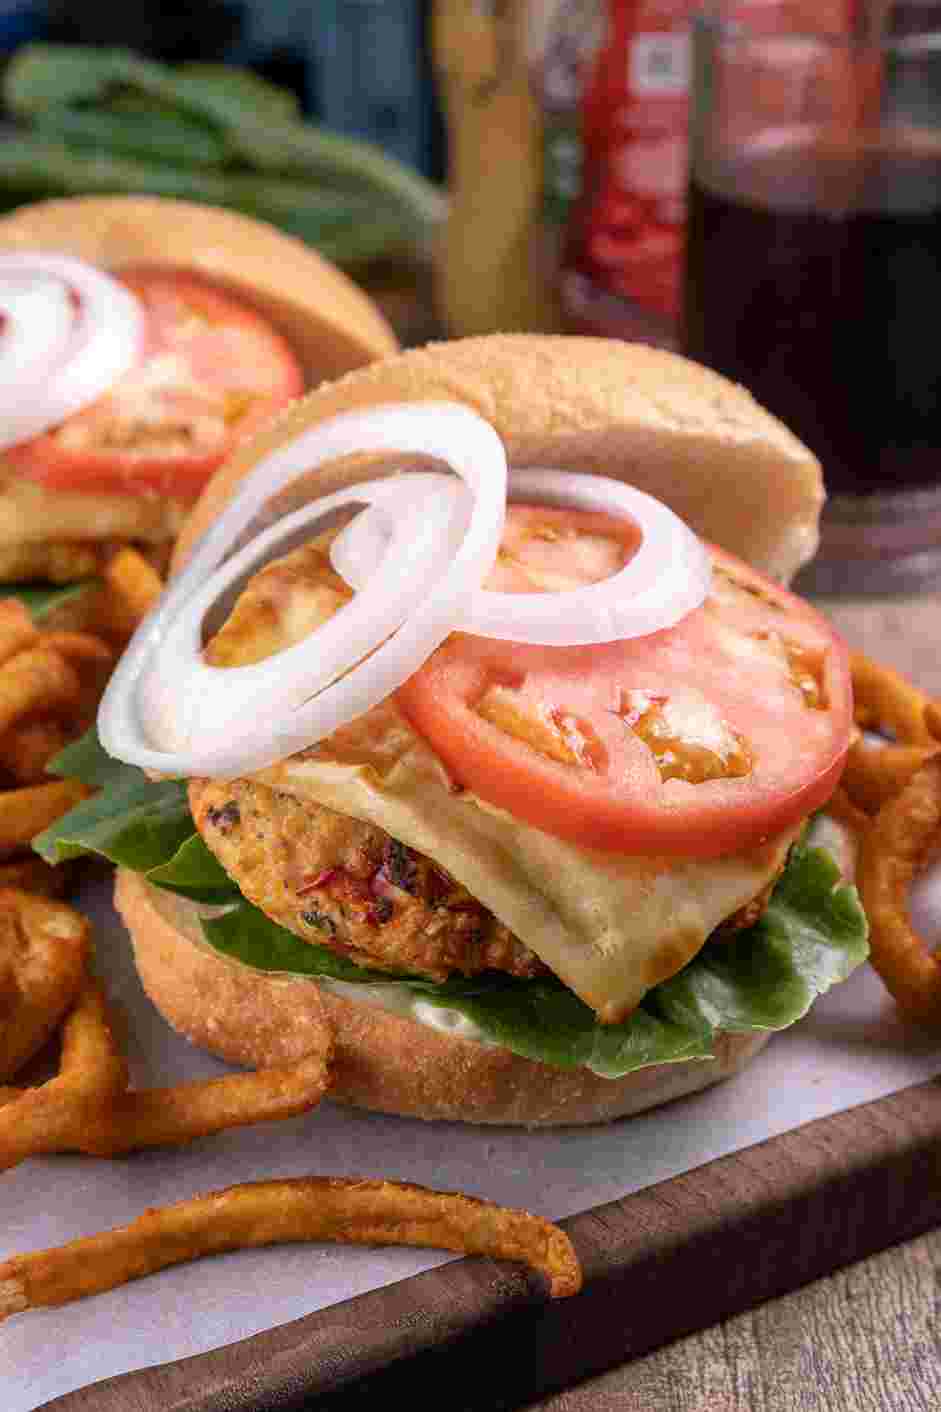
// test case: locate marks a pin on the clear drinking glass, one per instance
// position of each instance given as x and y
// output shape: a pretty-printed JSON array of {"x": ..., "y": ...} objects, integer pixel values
[{"x": 813, "y": 268}]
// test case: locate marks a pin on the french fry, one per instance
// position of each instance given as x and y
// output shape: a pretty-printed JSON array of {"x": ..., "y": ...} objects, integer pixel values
[
  {"x": 34, "y": 875},
  {"x": 92, "y": 1075},
  {"x": 351, "y": 1211},
  {"x": 884, "y": 699},
  {"x": 933, "y": 719},
  {"x": 27, "y": 748},
  {"x": 43, "y": 954},
  {"x": 874, "y": 774},
  {"x": 134, "y": 583},
  {"x": 89, "y": 1108},
  {"x": 162, "y": 1117},
  {"x": 38, "y": 679},
  {"x": 7, "y": 1094},
  {"x": 896, "y": 846},
  {"x": 842, "y": 808},
  {"x": 17, "y": 629},
  {"x": 26, "y": 812},
  {"x": 81, "y": 649}
]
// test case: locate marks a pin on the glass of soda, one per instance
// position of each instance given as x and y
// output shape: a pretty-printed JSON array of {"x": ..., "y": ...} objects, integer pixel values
[{"x": 813, "y": 265}]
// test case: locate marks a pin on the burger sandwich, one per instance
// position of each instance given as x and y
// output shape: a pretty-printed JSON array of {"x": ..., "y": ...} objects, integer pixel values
[
  {"x": 145, "y": 339},
  {"x": 541, "y": 845}
]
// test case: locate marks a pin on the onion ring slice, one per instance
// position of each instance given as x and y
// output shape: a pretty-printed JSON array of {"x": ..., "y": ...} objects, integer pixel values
[
  {"x": 70, "y": 332},
  {"x": 165, "y": 709},
  {"x": 666, "y": 579}
]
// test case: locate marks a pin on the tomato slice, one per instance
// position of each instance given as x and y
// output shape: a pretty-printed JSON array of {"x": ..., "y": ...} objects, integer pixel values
[
  {"x": 701, "y": 740},
  {"x": 211, "y": 372}
]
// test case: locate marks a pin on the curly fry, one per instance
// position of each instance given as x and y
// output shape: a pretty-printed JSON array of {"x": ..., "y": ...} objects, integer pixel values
[
  {"x": 893, "y": 850},
  {"x": 352, "y": 1211},
  {"x": 842, "y": 808},
  {"x": 874, "y": 774},
  {"x": 933, "y": 718},
  {"x": 89, "y": 1108},
  {"x": 92, "y": 1074},
  {"x": 134, "y": 584},
  {"x": 884, "y": 698},
  {"x": 43, "y": 955}
]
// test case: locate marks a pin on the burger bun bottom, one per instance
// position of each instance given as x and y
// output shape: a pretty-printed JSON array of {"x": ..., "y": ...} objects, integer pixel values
[{"x": 382, "y": 1061}]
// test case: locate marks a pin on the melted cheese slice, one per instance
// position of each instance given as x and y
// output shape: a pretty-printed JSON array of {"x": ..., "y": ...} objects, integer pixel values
[{"x": 609, "y": 926}]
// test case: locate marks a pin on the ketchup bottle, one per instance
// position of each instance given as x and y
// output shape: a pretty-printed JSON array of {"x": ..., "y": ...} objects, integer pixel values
[{"x": 623, "y": 260}]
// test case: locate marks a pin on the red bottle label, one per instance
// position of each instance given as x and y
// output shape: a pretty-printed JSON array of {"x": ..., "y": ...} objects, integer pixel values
[{"x": 627, "y": 227}]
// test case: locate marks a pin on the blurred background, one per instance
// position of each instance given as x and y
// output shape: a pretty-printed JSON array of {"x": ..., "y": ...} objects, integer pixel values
[{"x": 754, "y": 182}]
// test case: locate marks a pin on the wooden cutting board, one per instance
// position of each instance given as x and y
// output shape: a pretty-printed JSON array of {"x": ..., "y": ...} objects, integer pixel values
[{"x": 662, "y": 1263}]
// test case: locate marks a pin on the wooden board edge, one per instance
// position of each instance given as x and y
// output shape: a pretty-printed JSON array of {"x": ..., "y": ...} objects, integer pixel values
[{"x": 660, "y": 1264}]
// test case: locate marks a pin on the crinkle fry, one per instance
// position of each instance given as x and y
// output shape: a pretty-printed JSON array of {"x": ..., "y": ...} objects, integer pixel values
[
  {"x": 884, "y": 699},
  {"x": 350, "y": 1210},
  {"x": 898, "y": 843}
]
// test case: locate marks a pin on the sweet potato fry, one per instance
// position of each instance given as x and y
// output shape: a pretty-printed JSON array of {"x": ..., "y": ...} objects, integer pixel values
[
  {"x": 900, "y": 840},
  {"x": 43, "y": 954},
  {"x": 26, "y": 812},
  {"x": 352, "y": 1211}
]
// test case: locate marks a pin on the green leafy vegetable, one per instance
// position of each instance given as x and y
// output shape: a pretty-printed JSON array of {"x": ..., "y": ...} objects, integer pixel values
[
  {"x": 812, "y": 935},
  {"x": 41, "y": 599},
  {"x": 110, "y": 120}
]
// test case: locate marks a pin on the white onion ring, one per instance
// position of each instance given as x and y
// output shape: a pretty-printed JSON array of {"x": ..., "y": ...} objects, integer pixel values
[
  {"x": 165, "y": 709},
  {"x": 667, "y": 578},
  {"x": 69, "y": 332}
]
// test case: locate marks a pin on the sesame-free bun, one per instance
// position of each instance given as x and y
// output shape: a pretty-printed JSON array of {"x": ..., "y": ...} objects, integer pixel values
[
  {"x": 381, "y": 1060},
  {"x": 675, "y": 429},
  {"x": 330, "y": 323}
]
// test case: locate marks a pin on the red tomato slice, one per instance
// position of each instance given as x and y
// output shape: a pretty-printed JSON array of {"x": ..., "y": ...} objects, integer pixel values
[
  {"x": 212, "y": 372},
  {"x": 701, "y": 740}
]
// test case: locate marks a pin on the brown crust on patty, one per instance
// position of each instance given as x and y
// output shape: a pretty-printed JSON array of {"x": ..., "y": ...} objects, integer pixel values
[{"x": 382, "y": 1061}]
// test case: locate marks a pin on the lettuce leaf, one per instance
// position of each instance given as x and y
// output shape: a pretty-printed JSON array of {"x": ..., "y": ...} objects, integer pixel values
[
  {"x": 42, "y": 598},
  {"x": 812, "y": 935}
]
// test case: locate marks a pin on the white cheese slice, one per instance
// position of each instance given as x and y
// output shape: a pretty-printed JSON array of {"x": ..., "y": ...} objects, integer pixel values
[{"x": 609, "y": 926}]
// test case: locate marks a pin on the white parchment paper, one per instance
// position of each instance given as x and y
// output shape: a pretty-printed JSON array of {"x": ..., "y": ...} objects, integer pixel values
[{"x": 851, "y": 1049}]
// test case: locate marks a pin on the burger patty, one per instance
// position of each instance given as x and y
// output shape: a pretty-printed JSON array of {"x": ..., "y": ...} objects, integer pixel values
[
  {"x": 341, "y": 883},
  {"x": 347, "y": 885}
]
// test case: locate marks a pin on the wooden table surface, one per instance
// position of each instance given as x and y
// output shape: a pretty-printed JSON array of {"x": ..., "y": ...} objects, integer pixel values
[{"x": 866, "y": 1339}]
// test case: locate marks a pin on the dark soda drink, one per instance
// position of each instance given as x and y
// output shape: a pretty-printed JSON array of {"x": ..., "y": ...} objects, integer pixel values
[{"x": 814, "y": 278}]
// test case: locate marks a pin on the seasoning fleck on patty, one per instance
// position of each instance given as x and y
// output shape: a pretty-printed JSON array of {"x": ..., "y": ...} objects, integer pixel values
[{"x": 348, "y": 885}]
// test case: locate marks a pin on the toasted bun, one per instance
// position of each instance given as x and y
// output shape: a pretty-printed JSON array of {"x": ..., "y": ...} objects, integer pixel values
[
  {"x": 381, "y": 1061},
  {"x": 330, "y": 323},
  {"x": 658, "y": 421}
]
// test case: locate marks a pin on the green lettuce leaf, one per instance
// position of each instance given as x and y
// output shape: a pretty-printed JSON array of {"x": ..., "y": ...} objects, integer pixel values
[
  {"x": 42, "y": 598},
  {"x": 812, "y": 935}
]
